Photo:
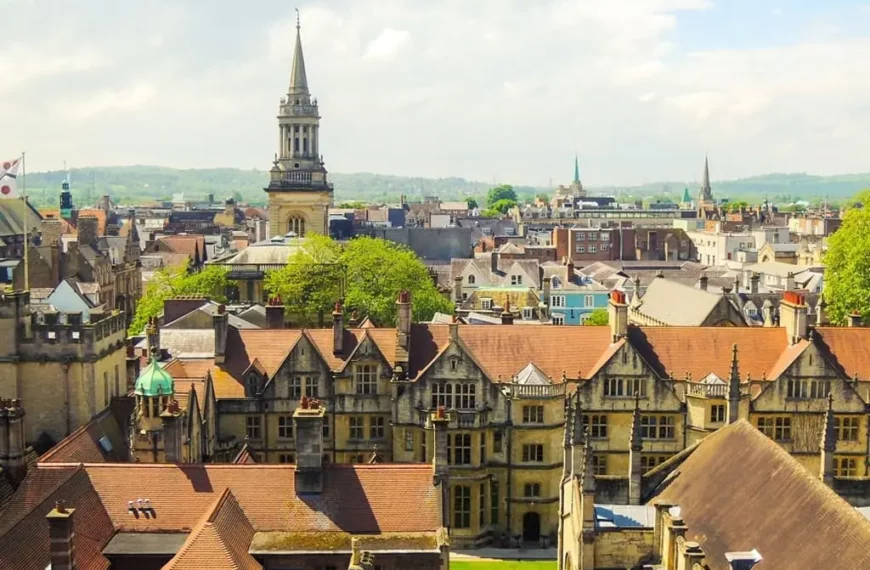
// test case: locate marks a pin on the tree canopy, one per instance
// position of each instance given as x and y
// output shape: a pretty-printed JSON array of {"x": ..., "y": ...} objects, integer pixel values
[
  {"x": 369, "y": 273},
  {"x": 598, "y": 317},
  {"x": 500, "y": 208},
  {"x": 471, "y": 202},
  {"x": 847, "y": 267},
  {"x": 211, "y": 282},
  {"x": 502, "y": 192}
]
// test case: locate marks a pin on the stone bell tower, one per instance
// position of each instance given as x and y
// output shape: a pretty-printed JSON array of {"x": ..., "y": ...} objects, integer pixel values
[{"x": 299, "y": 193}]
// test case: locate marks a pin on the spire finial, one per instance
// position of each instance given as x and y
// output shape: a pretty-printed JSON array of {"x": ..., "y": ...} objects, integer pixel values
[
  {"x": 298, "y": 25},
  {"x": 576, "y": 168}
]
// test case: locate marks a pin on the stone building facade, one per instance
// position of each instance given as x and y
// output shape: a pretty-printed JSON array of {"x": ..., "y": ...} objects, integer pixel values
[
  {"x": 63, "y": 370},
  {"x": 506, "y": 387},
  {"x": 299, "y": 193}
]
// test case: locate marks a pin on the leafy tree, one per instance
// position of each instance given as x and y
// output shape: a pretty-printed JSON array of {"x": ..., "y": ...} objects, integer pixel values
[
  {"x": 847, "y": 267},
  {"x": 542, "y": 197},
  {"x": 369, "y": 271},
  {"x": 737, "y": 206},
  {"x": 355, "y": 205},
  {"x": 501, "y": 207},
  {"x": 472, "y": 203},
  {"x": 598, "y": 317},
  {"x": 502, "y": 192},
  {"x": 211, "y": 282}
]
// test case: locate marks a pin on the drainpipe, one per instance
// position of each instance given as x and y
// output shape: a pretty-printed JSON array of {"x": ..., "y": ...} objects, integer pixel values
[{"x": 510, "y": 461}]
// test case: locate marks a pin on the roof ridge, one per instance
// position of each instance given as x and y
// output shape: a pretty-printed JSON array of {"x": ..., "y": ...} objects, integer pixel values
[{"x": 53, "y": 490}]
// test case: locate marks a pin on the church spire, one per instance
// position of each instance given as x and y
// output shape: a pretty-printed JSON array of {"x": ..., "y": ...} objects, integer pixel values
[
  {"x": 298, "y": 78},
  {"x": 706, "y": 190},
  {"x": 576, "y": 169}
]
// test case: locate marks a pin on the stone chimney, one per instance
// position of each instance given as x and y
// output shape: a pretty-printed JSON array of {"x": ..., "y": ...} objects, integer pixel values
[
  {"x": 635, "y": 475},
  {"x": 60, "y": 533},
  {"x": 743, "y": 560},
  {"x": 493, "y": 262},
  {"x": 854, "y": 319},
  {"x": 275, "y": 313},
  {"x": 618, "y": 315},
  {"x": 545, "y": 293},
  {"x": 793, "y": 315},
  {"x": 440, "y": 420},
  {"x": 507, "y": 317},
  {"x": 337, "y": 329},
  {"x": 828, "y": 444},
  {"x": 737, "y": 285},
  {"x": 734, "y": 388},
  {"x": 51, "y": 231},
  {"x": 702, "y": 282},
  {"x": 457, "y": 289},
  {"x": 569, "y": 270},
  {"x": 789, "y": 281},
  {"x": 753, "y": 283},
  {"x": 308, "y": 431},
  {"x": 87, "y": 227},
  {"x": 403, "y": 326},
  {"x": 12, "y": 445},
  {"x": 221, "y": 322},
  {"x": 173, "y": 432},
  {"x": 821, "y": 313}
]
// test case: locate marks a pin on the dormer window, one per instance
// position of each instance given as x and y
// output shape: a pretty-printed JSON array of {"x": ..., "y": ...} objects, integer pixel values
[{"x": 486, "y": 304}]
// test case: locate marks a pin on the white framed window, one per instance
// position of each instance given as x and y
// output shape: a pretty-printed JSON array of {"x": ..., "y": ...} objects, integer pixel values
[
  {"x": 592, "y": 248},
  {"x": 605, "y": 236},
  {"x": 580, "y": 236},
  {"x": 558, "y": 319},
  {"x": 366, "y": 379},
  {"x": 471, "y": 279},
  {"x": 588, "y": 301},
  {"x": 557, "y": 300},
  {"x": 527, "y": 313},
  {"x": 516, "y": 279},
  {"x": 486, "y": 304},
  {"x": 581, "y": 248}
]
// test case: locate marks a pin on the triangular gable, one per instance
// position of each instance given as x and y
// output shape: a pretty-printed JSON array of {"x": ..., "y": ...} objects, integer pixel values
[
  {"x": 531, "y": 375},
  {"x": 518, "y": 268},
  {"x": 367, "y": 323},
  {"x": 362, "y": 345},
  {"x": 481, "y": 277}
]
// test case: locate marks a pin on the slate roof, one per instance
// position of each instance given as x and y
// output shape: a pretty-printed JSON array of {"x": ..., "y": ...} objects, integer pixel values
[
  {"x": 12, "y": 217},
  {"x": 675, "y": 304},
  {"x": 738, "y": 490}
]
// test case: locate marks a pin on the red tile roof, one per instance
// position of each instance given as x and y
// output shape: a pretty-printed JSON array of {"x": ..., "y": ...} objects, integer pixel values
[
  {"x": 357, "y": 498},
  {"x": 24, "y": 540},
  {"x": 220, "y": 540},
  {"x": 701, "y": 350},
  {"x": 187, "y": 245},
  {"x": 83, "y": 444},
  {"x": 850, "y": 347}
]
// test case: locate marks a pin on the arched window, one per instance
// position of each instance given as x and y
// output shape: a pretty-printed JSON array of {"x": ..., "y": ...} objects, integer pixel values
[
  {"x": 471, "y": 279},
  {"x": 296, "y": 225}
]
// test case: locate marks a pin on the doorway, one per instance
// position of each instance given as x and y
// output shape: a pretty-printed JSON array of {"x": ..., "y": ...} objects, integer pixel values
[{"x": 531, "y": 527}]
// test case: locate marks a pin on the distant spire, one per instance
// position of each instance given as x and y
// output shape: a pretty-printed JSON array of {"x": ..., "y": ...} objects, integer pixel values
[
  {"x": 298, "y": 78},
  {"x": 576, "y": 169},
  {"x": 706, "y": 190}
]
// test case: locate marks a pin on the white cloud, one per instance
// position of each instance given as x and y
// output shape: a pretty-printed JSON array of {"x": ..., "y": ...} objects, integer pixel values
[
  {"x": 438, "y": 88},
  {"x": 387, "y": 44}
]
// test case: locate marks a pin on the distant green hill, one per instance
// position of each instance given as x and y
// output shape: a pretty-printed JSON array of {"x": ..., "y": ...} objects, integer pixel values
[{"x": 137, "y": 184}]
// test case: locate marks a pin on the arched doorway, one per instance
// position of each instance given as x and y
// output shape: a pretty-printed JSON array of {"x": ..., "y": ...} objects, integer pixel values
[{"x": 531, "y": 527}]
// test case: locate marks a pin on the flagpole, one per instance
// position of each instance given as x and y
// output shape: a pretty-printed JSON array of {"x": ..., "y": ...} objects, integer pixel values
[{"x": 26, "y": 232}]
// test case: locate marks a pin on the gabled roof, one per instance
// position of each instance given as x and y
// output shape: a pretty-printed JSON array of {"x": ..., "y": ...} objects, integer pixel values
[
  {"x": 531, "y": 375},
  {"x": 676, "y": 304},
  {"x": 850, "y": 347},
  {"x": 101, "y": 440},
  {"x": 738, "y": 490},
  {"x": 220, "y": 540}
]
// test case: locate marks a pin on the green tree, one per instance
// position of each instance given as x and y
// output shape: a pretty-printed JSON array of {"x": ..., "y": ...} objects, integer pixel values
[
  {"x": 471, "y": 202},
  {"x": 311, "y": 282},
  {"x": 598, "y": 317},
  {"x": 211, "y": 282},
  {"x": 500, "y": 207},
  {"x": 502, "y": 192},
  {"x": 847, "y": 267},
  {"x": 370, "y": 273},
  {"x": 355, "y": 205}
]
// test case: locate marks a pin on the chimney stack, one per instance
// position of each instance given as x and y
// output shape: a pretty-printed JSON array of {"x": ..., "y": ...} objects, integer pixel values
[
  {"x": 743, "y": 560},
  {"x": 337, "y": 329},
  {"x": 12, "y": 445},
  {"x": 737, "y": 285},
  {"x": 87, "y": 227},
  {"x": 440, "y": 463},
  {"x": 507, "y": 317},
  {"x": 753, "y": 283},
  {"x": 789, "y": 281},
  {"x": 569, "y": 273},
  {"x": 275, "y": 313},
  {"x": 51, "y": 231},
  {"x": 493, "y": 261},
  {"x": 221, "y": 322},
  {"x": 618, "y": 315},
  {"x": 60, "y": 533},
  {"x": 403, "y": 325},
  {"x": 173, "y": 443},
  {"x": 308, "y": 431},
  {"x": 545, "y": 294},
  {"x": 854, "y": 319},
  {"x": 457, "y": 289},
  {"x": 702, "y": 282},
  {"x": 793, "y": 316}
]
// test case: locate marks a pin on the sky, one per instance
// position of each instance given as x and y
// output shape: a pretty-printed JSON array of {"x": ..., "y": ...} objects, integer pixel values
[{"x": 490, "y": 90}]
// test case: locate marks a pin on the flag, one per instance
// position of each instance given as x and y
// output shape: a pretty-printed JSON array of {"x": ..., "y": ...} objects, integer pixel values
[{"x": 9, "y": 178}]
